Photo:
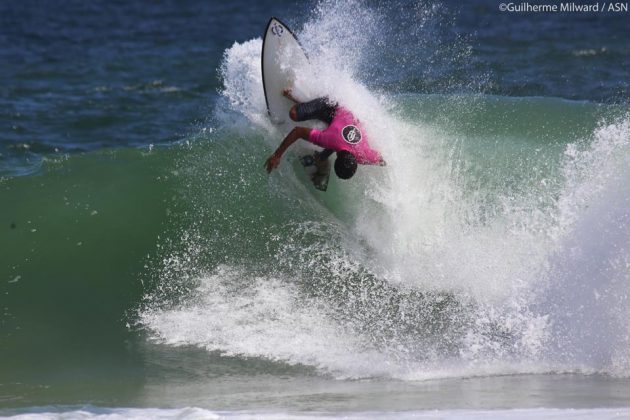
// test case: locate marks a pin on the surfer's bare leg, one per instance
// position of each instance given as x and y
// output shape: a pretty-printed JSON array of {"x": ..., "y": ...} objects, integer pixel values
[
  {"x": 321, "y": 160},
  {"x": 323, "y": 155},
  {"x": 293, "y": 113},
  {"x": 288, "y": 93}
]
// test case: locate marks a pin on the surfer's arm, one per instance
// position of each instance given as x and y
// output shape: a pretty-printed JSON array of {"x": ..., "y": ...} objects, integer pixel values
[{"x": 297, "y": 133}]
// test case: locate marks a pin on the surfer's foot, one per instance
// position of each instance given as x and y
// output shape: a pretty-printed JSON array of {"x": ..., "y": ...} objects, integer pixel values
[{"x": 307, "y": 160}]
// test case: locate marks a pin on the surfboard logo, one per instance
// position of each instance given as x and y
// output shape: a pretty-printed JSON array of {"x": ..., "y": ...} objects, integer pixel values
[
  {"x": 351, "y": 134},
  {"x": 277, "y": 30}
]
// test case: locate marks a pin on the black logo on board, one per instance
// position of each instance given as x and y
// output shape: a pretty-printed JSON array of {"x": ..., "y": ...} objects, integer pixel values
[
  {"x": 351, "y": 134},
  {"x": 277, "y": 29}
]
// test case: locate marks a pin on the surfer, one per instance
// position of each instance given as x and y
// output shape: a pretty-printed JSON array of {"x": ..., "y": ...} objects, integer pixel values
[{"x": 344, "y": 135}]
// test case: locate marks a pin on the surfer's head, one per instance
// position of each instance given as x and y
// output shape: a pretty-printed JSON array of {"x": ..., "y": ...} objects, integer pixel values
[{"x": 345, "y": 164}]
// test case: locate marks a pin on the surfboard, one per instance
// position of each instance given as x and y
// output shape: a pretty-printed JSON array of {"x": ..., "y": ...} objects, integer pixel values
[{"x": 281, "y": 55}]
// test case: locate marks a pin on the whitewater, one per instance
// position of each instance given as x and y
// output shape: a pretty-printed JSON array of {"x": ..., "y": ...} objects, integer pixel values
[{"x": 465, "y": 256}]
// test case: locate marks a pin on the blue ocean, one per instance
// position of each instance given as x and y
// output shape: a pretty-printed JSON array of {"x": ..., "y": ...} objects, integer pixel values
[{"x": 151, "y": 268}]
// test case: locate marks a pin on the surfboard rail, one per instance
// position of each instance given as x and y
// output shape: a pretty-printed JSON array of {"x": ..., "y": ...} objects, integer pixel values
[{"x": 278, "y": 38}]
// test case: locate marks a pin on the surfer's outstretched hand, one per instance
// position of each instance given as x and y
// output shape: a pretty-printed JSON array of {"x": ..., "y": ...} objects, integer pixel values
[
  {"x": 272, "y": 163},
  {"x": 297, "y": 133}
]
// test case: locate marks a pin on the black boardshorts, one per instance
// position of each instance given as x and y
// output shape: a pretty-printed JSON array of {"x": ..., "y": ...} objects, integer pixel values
[{"x": 317, "y": 109}]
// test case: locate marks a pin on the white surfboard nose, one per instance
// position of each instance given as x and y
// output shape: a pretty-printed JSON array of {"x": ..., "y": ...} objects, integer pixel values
[{"x": 281, "y": 55}]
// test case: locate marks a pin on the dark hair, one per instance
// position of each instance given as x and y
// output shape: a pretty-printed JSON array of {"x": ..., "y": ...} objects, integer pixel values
[{"x": 345, "y": 164}]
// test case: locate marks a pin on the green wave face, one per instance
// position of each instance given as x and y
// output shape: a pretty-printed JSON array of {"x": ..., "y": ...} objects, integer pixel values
[
  {"x": 116, "y": 262},
  {"x": 75, "y": 238}
]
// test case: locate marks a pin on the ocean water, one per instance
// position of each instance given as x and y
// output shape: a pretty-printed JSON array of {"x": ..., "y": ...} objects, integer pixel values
[{"x": 149, "y": 266}]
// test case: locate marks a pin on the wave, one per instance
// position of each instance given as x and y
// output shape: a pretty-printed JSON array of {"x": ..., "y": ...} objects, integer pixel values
[
  {"x": 451, "y": 261},
  {"x": 494, "y": 242}
]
